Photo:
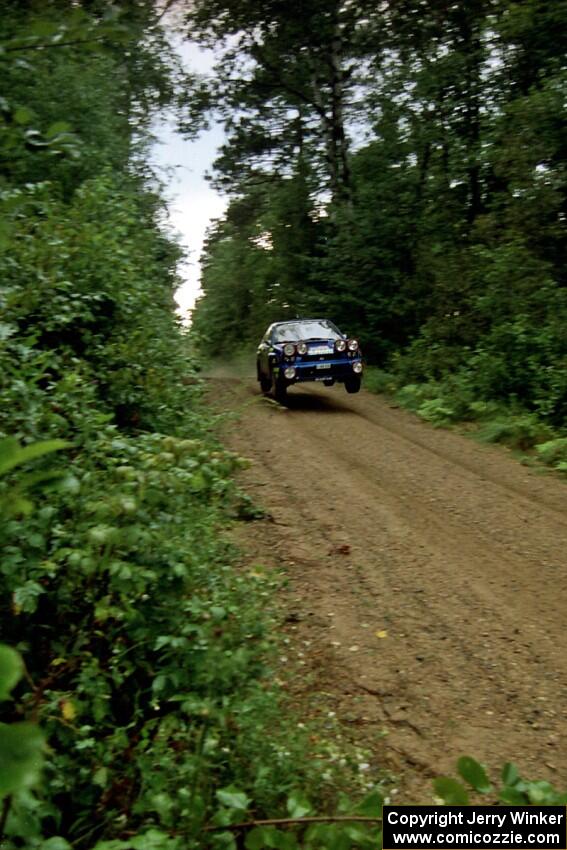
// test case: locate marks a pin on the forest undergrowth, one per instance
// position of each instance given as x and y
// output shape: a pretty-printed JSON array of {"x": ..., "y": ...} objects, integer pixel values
[{"x": 454, "y": 402}]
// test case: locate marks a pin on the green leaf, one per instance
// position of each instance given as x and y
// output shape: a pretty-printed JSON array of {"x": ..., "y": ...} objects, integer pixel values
[
  {"x": 510, "y": 774},
  {"x": 17, "y": 505},
  {"x": 43, "y": 29},
  {"x": 56, "y": 842},
  {"x": 359, "y": 835},
  {"x": 27, "y": 595},
  {"x": 316, "y": 834},
  {"x": 371, "y": 806},
  {"x": 284, "y": 840},
  {"x": 22, "y": 115},
  {"x": 337, "y": 839},
  {"x": 31, "y": 480},
  {"x": 232, "y": 798},
  {"x": 12, "y": 454},
  {"x": 451, "y": 791},
  {"x": 21, "y": 757},
  {"x": 100, "y": 777},
  {"x": 222, "y": 817},
  {"x": 541, "y": 793},
  {"x": 224, "y": 841},
  {"x": 261, "y": 837},
  {"x": 198, "y": 482},
  {"x": 57, "y": 128},
  {"x": 513, "y": 797},
  {"x": 11, "y": 669},
  {"x": 474, "y": 773},
  {"x": 152, "y": 839},
  {"x": 298, "y": 805}
]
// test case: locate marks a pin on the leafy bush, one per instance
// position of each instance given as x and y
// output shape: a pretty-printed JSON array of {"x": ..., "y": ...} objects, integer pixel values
[
  {"x": 437, "y": 411},
  {"x": 522, "y": 431},
  {"x": 379, "y": 381},
  {"x": 433, "y": 402},
  {"x": 22, "y": 744},
  {"x": 145, "y": 651},
  {"x": 453, "y": 400},
  {"x": 146, "y": 656},
  {"x": 554, "y": 453},
  {"x": 413, "y": 396}
]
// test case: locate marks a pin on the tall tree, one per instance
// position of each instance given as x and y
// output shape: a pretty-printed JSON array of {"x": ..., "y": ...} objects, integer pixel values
[
  {"x": 285, "y": 81},
  {"x": 257, "y": 263}
]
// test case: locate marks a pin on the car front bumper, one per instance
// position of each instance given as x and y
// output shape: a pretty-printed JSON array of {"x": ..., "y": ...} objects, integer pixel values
[{"x": 336, "y": 370}]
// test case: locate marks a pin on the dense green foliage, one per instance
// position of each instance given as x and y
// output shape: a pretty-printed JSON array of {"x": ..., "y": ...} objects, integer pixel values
[
  {"x": 137, "y": 708},
  {"x": 445, "y": 251},
  {"x": 134, "y": 655}
]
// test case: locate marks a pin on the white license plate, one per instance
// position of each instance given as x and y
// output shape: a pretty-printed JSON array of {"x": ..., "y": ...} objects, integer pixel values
[
  {"x": 320, "y": 349},
  {"x": 323, "y": 366}
]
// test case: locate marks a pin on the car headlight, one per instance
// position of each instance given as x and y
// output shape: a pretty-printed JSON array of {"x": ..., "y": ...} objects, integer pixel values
[
  {"x": 289, "y": 373},
  {"x": 289, "y": 349},
  {"x": 340, "y": 345},
  {"x": 357, "y": 367},
  {"x": 302, "y": 348},
  {"x": 353, "y": 345}
]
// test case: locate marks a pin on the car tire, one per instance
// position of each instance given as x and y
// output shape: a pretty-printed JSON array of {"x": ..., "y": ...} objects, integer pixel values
[
  {"x": 265, "y": 383},
  {"x": 352, "y": 385},
  {"x": 279, "y": 388}
]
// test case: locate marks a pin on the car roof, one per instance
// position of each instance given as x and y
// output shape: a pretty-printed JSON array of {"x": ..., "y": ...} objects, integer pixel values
[
  {"x": 295, "y": 321},
  {"x": 275, "y": 325}
]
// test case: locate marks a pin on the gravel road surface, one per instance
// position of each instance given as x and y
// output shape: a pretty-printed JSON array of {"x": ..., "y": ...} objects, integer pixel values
[{"x": 427, "y": 575}]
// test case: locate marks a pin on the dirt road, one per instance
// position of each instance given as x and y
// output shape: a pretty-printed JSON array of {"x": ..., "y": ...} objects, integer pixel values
[{"x": 427, "y": 581}]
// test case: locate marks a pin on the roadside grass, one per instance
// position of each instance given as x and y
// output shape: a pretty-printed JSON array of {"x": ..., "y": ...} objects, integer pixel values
[
  {"x": 451, "y": 403},
  {"x": 152, "y": 660}
]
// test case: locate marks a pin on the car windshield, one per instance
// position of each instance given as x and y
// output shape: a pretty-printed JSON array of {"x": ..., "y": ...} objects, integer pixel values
[{"x": 306, "y": 329}]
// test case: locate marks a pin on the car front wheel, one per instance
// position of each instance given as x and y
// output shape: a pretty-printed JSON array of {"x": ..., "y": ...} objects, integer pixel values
[
  {"x": 278, "y": 387},
  {"x": 265, "y": 383},
  {"x": 352, "y": 385}
]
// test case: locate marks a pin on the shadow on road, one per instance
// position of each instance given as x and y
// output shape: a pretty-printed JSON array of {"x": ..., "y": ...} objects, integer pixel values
[{"x": 299, "y": 400}]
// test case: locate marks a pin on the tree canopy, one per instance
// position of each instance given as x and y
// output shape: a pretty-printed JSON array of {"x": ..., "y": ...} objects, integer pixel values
[{"x": 416, "y": 152}]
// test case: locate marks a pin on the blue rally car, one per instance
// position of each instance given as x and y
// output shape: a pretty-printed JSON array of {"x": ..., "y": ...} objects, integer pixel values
[{"x": 307, "y": 350}]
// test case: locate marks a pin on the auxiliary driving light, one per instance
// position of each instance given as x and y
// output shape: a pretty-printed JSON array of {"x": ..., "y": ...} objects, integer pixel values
[
  {"x": 353, "y": 345},
  {"x": 357, "y": 367},
  {"x": 340, "y": 345},
  {"x": 289, "y": 349},
  {"x": 302, "y": 348},
  {"x": 289, "y": 373}
]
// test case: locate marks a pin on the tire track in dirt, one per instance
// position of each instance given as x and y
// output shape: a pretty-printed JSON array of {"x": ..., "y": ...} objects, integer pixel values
[{"x": 455, "y": 550}]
